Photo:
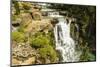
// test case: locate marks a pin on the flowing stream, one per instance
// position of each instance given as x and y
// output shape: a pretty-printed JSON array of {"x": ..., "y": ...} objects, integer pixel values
[{"x": 64, "y": 43}]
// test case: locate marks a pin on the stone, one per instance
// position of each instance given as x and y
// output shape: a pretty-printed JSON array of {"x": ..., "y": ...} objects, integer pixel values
[
  {"x": 16, "y": 62},
  {"x": 37, "y": 25},
  {"x": 38, "y": 61},
  {"x": 47, "y": 61},
  {"x": 30, "y": 60},
  {"x": 37, "y": 15},
  {"x": 23, "y": 51},
  {"x": 26, "y": 19}
]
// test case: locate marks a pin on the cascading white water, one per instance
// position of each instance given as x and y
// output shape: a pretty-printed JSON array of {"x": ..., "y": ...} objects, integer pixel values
[{"x": 64, "y": 43}]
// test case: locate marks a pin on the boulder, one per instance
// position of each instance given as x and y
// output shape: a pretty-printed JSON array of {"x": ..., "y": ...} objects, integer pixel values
[
  {"x": 37, "y": 15},
  {"x": 16, "y": 62},
  {"x": 30, "y": 60}
]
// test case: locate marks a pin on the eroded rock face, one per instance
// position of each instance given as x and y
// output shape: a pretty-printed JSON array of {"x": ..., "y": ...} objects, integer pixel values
[
  {"x": 23, "y": 50},
  {"x": 37, "y": 15},
  {"x": 15, "y": 61},
  {"x": 23, "y": 54},
  {"x": 32, "y": 26},
  {"x": 30, "y": 60},
  {"x": 43, "y": 25}
]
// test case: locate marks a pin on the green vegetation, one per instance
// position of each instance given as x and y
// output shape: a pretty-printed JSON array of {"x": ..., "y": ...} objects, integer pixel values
[
  {"x": 44, "y": 43},
  {"x": 48, "y": 52},
  {"x": 18, "y": 36},
  {"x": 26, "y": 5},
  {"x": 16, "y": 5},
  {"x": 39, "y": 41},
  {"x": 14, "y": 18},
  {"x": 87, "y": 55},
  {"x": 21, "y": 29}
]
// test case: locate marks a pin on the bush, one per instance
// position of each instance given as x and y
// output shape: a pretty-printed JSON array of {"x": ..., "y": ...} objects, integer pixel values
[
  {"x": 48, "y": 53},
  {"x": 43, "y": 43},
  {"x": 21, "y": 29},
  {"x": 39, "y": 41},
  {"x": 14, "y": 17},
  {"x": 26, "y": 6},
  {"x": 50, "y": 36},
  {"x": 87, "y": 54},
  {"x": 18, "y": 36}
]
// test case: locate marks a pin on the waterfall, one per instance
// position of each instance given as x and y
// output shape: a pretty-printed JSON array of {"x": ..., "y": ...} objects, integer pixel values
[{"x": 64, "y": 43}]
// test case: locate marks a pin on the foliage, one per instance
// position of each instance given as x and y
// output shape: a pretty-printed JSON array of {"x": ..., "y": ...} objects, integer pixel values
[
  {"x": 26, "y": 5},
  {"x": 14, "y": 17},
  {"x": 21, "y": 29},
  {"x": 39, "y": 41},
  {"x": 48, "y": 52},
  {"x": 50, "y": 36},
  {"x": 18, "y": 36},
  {"x": 16, "y": 5},
  {"x": 85, "y": 20},
  {"x": 87, "y": 55},
  {"x": 43, "y": 43}
]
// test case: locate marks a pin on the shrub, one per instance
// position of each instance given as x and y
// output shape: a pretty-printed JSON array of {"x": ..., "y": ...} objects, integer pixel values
[
  {"x": 50, "y": 36},
  {"x": 48, "y": 53},
  {"x": 26, "y": 6},
  {"x": 18, "y": 36},
  {"x": 87, "y": 54},
  {"x": 21, "y": 29},
  {"x": 39, "y": 41},
  {"x": 14, "y": 17},
  {"x": 43, "y": 44}
]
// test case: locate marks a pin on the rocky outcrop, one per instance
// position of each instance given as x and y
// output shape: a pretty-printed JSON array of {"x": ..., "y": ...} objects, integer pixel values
[
  {"x": 33, "y": 26},
  {"x": 23, "y": 53}
]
